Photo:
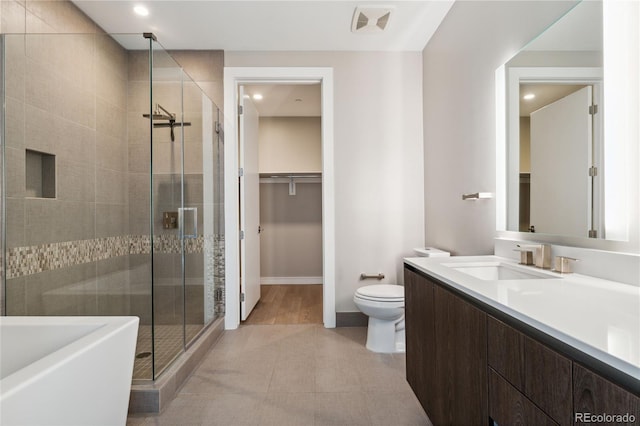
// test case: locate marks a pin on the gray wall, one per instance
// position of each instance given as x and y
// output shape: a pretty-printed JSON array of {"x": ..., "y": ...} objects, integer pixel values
[
  {"x": 459, "y": 65},
  {"x": 290, "y": 145},
  {"x": 291, "y": 240}
]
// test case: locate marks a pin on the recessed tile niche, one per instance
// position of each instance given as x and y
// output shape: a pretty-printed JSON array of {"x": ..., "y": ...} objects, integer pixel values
[{"x": 40, "y": 174}]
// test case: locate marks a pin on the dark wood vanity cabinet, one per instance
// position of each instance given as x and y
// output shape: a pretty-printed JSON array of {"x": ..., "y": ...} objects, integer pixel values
[
  {"x": 468, "y": 367},
  {"x": 446, "y": 353},
  {"x": 539, "y": 374}
]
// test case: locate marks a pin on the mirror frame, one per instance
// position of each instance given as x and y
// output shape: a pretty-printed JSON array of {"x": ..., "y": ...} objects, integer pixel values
[{"x": 515, "y": 77}]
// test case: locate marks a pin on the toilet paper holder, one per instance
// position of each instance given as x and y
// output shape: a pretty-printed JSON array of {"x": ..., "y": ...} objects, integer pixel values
[{"x": 364, "y": 276}]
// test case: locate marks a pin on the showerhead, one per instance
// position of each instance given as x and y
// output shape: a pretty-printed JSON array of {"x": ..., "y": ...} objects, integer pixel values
[
  {"x": 157, "y": 116},
  {"x": 160, "y": 113},
  {"x": 171, "y": 117}
]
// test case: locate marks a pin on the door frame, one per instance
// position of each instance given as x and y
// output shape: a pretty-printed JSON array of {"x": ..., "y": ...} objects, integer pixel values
[
  {"x": 508, "y": 129},
  {"x": 233, "y": 77}
]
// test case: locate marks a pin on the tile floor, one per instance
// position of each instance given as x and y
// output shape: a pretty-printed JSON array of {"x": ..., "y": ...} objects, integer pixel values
[{"x": 293, "y": 375}]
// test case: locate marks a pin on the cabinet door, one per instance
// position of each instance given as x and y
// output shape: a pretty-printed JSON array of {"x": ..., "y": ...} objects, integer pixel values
[
  {"x": 420, "y": 342},
  {"x": 548, "y": 380},
  {"x": 507, "y": 406},
  {"x": 541, "y": 374},
  {"x": 506, "y": 351},
  {"x": 594, "y": 395},
  {"x": 461, "y": 361}
]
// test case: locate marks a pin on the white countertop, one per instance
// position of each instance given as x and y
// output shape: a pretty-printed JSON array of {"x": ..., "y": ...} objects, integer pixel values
[{"x": 600, "y": 318}]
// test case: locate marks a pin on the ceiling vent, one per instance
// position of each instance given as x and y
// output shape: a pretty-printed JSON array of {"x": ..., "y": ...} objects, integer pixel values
[{"x": 371, "y": 19}]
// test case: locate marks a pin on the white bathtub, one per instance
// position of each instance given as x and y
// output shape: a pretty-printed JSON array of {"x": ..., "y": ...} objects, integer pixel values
[{"x": 66, "y": 370}]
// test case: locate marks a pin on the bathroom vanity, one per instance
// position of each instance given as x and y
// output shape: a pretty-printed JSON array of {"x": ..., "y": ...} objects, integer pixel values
[{"x": 492, "y": 342}]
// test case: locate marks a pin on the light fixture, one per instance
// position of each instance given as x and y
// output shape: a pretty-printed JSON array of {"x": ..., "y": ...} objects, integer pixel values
[
  {"x": 141, "y": 10},
  {"x": 528, "y": 96},
  {"x": 257, "y": 97}
]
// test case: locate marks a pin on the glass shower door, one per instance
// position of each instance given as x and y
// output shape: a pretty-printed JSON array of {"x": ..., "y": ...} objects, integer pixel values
[
  {"x": 198, "y": 210},
  {"x": 182, "y": 175},
  {"x": 169, "y": 219}
]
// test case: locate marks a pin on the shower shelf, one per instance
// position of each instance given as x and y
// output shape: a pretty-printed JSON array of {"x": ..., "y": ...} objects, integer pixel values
[{"x": 40, "y": 174}]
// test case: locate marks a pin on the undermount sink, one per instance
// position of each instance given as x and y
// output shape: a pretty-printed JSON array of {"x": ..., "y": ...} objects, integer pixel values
[{"x": 490, "y": 271}]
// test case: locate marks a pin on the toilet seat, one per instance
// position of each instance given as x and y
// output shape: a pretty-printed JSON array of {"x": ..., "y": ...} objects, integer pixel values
[{"x": 381, "y": 293}]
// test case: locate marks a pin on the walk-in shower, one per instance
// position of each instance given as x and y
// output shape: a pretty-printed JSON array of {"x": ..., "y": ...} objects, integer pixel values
[{"x": 104, "y": 211}]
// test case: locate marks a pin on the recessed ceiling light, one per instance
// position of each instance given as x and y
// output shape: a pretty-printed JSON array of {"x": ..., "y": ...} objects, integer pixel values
[
  {"x": 257, "y": 97},
  {"x": 528, "y": 96},
  {"x": 141, "y": 10}
]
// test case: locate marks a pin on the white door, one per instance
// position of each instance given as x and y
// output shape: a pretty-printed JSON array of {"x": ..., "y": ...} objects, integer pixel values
[
  {"x": 249, "y": 207},
  {"x": 561, "y": 152}
]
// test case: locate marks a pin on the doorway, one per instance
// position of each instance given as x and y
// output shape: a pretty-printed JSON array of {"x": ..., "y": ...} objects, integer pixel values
[
  {"x": 283, "y": 242},
  {"x": 234, "y": 78}
]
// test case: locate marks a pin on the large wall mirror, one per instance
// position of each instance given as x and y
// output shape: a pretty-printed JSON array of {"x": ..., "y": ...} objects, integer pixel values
[{"x": 567, "y": 133}]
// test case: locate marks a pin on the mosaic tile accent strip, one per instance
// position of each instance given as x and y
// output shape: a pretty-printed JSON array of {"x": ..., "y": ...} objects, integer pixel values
[
  {"x": 218, "y": 275},
  {"x": 22, "y": 261}
]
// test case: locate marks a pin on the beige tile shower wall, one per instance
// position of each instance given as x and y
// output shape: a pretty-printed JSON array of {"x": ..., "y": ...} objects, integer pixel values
[
  {"x": 66, "y": 96},
  {"x": 139, "y": 148},
  {"x": 290, "y": 144},
  {"x": 291, "y": 241},
  {"x": 139, "y": 165},
  {"x": 206, "y": 68},
  {"x": 73, "y": 107}
]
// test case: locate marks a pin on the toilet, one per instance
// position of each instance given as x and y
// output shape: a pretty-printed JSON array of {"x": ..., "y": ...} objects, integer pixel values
[{"x": 384, "y": 305}]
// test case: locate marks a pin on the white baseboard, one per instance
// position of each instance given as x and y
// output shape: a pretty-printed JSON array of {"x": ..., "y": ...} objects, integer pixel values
[{"x": 290, "y": 280}]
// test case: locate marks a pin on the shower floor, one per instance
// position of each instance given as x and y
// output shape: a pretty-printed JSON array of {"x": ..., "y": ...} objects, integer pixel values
[{"x": 169, "y": 344}]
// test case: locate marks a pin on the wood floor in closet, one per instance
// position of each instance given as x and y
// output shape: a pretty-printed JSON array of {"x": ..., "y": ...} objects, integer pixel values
[{"x": 288, "y": 304}]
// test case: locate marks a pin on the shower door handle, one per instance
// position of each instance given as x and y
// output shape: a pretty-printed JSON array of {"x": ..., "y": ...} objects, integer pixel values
[{"x": 183, "y": 212}]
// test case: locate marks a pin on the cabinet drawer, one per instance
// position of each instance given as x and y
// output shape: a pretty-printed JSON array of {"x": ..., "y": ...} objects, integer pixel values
[
  {"x": 541, "y": 374},
  {"x": 507, "y": 406},
  {"x": 506, "y": 351}
]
